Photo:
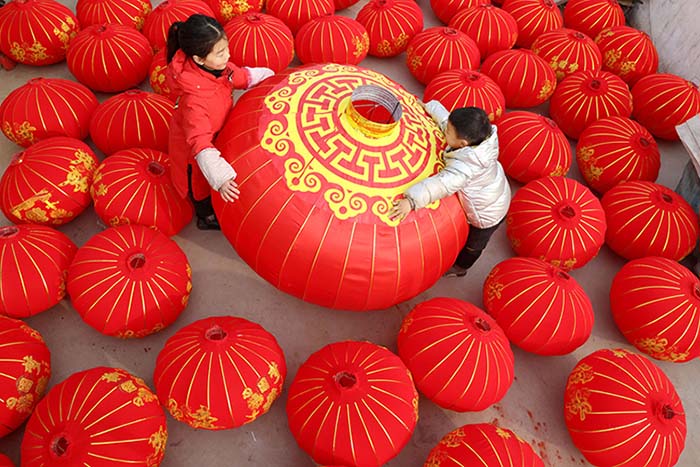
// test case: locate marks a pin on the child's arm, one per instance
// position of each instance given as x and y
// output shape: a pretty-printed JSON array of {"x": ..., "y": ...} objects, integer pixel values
[{"x": 438, "y": 112}]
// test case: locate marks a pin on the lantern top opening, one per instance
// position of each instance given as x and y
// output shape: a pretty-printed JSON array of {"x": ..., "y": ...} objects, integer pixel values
[{"x": 374, "y": 110}]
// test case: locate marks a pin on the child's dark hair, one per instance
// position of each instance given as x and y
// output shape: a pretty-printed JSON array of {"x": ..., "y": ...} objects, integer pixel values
[
  {"x": 196, "y": 36},
  {"x": 471, "y": 124}
]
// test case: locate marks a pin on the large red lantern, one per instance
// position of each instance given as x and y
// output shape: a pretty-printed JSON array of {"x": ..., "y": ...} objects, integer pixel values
[
  {"x": 592, "y": 16},
  {"x": 49, "y": 182},
  {"x": 296, "y": 13},
  {"x": 319, "y": 169},
  {"x": 156, "y": 75},
  {"x": 98, "y": 417},
  {"x": 558, "y": 220},
  {"x": 446, "y": 9},
  {"x": 332, "y": 38},
  {"x": 359, "y": 375},
  {"x": 131, "y": 13},
  {"x": 567, "y": 51},
  {"x": 467, "y": 88},
  {"x": 648, "y": 219},
  {"x": 586, "y": 96},
  {"x": 540, "y": 307},
  {"x": 257, "y": 39},
  {"x": 25, "y": 366},
  {"x": 133, "y": 186},
  {"x": 458, "y": 356},
  {"x": 247, "y": 376},
  {"x": 620, "y": 408},
  {"x": 34, "y": 260},
  {"x": 532, "y": 146},
  {"x": 662, "y": 101},
  {"x": 168, "y": 12},
  {"x": 129, "y": 281},
  {"x": 492, "y": 28},
  {"x": 226, "y": 10},
  {"x": 616, "y": 149},
  {"x": 534, "y": 17},
  {"x": 36, "y": 32},
  {"x": 440, "y": 49},
  {"x": 46, "y": 107},
  {"x": 627, "y": 52},
  {"x": 390, "y": 24}
]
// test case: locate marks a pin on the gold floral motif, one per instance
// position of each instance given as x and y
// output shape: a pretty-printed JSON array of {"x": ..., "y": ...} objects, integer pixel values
[
  {"x": 146, "y": 8},
  {"x": 24, "y": 385},
  {"x": 111, "y": 377},
  {"x": 226, "y": 10},
  {"x": 188, "y": 270},
  {"x": 384, "y": 48},
  {"x": 139, "y": 21},
  {"x": 516, "y": 242},
  {"x": 36, "y": 215},
  {"x": 101, "y": 190},
  {"x": 658, "y": 348},
  {"x": 80, "y": 171},
  {"x": 546, "y": 91},
  {"x": 503, "y": 433},
  {"x": 612, "y": 56},
  {"x": 128, "y": 386},
  {"x": 241, "y": 6},
  {"x": 494, "y": 291},
  {"x": 201, "y": 418},
  {"x": 17, "y": 52},
  {"x": 59, "y": 214},
  {"x": 175, "y": 410},
  {"x": 117, "y": 221},
  {"x": 582, "y": 374},
  {"x": 30, "y": 364},
  {"x": 401, "y": 40},
  {"x": 405, "y": 325},
  {"x": 144, "y": 396},
  {"x": 619, "y": 353},
  {"x": 453, "y": 439},
  {"x": 270, "y": 399},
  {"x": 19, "y": 133},
  {"x": 157, "y": 441},
  {"x": 273, "y": 372},
  {"x": 253, "y": 400},
  {"x": 67, "y": 32},
  {"x": 627, "y": 66},
  {"x": 414, "y": 402},
  {"x": 435, "y": 459},
  {"x": 579, "y": 405},
  {"x": 499, "y": 112},
  {"x": 415, "y": 62},
  {"x": 263, "y": 385},
  {"x": 31, "y": 332},
  {"x": 185, "y": 300},
  {"x": 569, "y": 263},
  {"x": 559, "y": 171},
  {"x": 37, "y": 52},
  {"x": 21, "y": 404},
  {"x": 361, "y": 44}
]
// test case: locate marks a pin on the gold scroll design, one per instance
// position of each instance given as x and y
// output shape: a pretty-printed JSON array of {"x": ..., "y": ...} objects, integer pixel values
[
  {"x": 66, "y": 31},
  {"x": 590, "y": 170},
  {"x": 19, "y": 133},
  {"x": 157, "y": 441},
  {"x": 140, "y": 18},
  {"x": 321, "y": 153},
  {"x": 390, "y": 47},
  {"x": 623, "y": 67},
  {"x": 30, "y": 387},
  {"x": 495, "y": 288},
  {"x": 80, "y": 172},
  {"x": 658, "y": 348},
  {"x": 256, "y": 399},
  {"x": 578, "y": 405},
  {"x": 33, "y": 210},
  {"x": 200, "y": 418}
]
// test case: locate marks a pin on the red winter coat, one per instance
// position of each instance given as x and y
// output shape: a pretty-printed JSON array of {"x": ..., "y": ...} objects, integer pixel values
[{"x": 203, "y": 105}]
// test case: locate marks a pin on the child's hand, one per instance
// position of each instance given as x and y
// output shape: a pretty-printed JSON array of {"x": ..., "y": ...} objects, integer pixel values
[
  {"x": 229, "y": 191},
  {"x": 400, "y": 210}
]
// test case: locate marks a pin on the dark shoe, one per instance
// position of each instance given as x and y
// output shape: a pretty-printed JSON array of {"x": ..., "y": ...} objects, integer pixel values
[
  {"x": 455, "y": 271},
  {"x": 208, "y": 223}
]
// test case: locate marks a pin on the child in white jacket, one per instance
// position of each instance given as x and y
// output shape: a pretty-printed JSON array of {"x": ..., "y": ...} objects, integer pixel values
[{"x": 472, "y": 170}]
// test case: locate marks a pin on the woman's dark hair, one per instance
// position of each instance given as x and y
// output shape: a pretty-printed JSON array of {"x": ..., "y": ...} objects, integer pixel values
[
  {"x": 196, "y": 36},
  {"x": 471, "y": 124}
]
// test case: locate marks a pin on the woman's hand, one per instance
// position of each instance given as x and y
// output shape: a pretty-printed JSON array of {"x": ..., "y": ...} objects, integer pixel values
[{"x": 229, "y": 190}]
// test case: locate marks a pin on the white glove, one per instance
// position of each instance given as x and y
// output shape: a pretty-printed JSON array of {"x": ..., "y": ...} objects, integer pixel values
[
  {"x": 214, "y": 167},
  {"x": 257, "y": 74}
]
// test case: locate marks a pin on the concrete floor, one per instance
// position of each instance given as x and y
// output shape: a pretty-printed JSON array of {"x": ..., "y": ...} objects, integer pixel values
[{"x": 223, "y": 284}]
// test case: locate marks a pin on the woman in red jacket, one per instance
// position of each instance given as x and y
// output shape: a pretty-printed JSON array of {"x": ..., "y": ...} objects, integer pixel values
[{"x": 203, "y": 80}]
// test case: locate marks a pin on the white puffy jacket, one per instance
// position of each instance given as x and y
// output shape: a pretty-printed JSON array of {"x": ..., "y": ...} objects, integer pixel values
[{"x": 473, "y": 171}]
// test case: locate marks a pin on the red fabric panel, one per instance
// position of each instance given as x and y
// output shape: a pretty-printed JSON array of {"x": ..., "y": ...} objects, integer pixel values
[
  {"x": 568, "y": 51},
  {"x": 492, "y": 28},
  {"x": 439, "y": 49},
  {"x": 391, "y": 24},
  {"x": 258, "y": 39},
  {"x": 627, "y": 52},
  {"x": 467, "y": 88},
  {"x": 592, "y": 16}
]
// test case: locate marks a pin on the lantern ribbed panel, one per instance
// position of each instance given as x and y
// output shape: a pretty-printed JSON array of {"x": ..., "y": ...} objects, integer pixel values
[
  {"x": 257, "y": 39},
  {"x": 332, "y": 39},
  {"x": 648, "y": 219},
  {"x": 558, "y": 220},
  {"x": 567, "y": 51},
  {"x": 534, "y": 17},
  {"x": 129, "y": 281},
  {"x": 168, "y": 12},
  {"x": 446, "y": 9},
  {"x": 458, "y": 356},
  {"x": 440, "y": 49},
  {"x": 99, "y": 417},
  {"x": 343, "y": 4},
  {"x": 49, "y": 182},
  {"x": 131, "y": 13},
  {"x": 592, "y": 16},
  {"x": 525, "y": 79},
  {"x": 467, "y": 88},
  {"x": 5, "y": 461},
  {"x": 27, "y": 31},
  {"x": 627, "y": 52},
  {"x": 390, "y": 24},
  {"x": 622, "y": 410},
  {"x": 296, "y": 13},
  {"x": 156, "y": 75},
  {"x": 492, "y": 28},
  {"x": 46, "y": 107},
  {"x": 226, "y": 10},
  {"x": 352, "y": 403},
  {"x": 616, "y": 149},
  {"x": 532, "y": 146}
]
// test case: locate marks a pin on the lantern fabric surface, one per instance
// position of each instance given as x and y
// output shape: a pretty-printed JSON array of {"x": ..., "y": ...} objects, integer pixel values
[
  {"x": 540, "y": 307},
  {"x": 133, "y": 186},
  {"x": 532, "y": 146},
  {"x": 99, "y": 417},
  {"x": 168, "y": 12},
  {"x": 5, "y": 461},
  {"x": 648, "y": 219},
  {"x": 131, "y": 13},
  {"x": 627, "y": 52},
  {"x": 446, "y": 9},
  {"x": 46, "y": 107},
  {"x": 297, "y": 187},
  {"x": 109, "y": 57},
  {"x": 296, "y": 13},
  {"x": 558, "y": 220},
  {"x": 226, "y": 10},
  {"x": 49, "y": 182},
  {"x": 534, "y": 18},
  {"x": 390, "y": 24},
  {"x": 34, "y": 261},
  {"x": 662, "y": 101},
  {"x": 332, "y": 38},
  {"x": 129, "y": 281},
  {"x": 156, "y": 75},
  {"x": 440, "y": 49},
  {"x": 36, "y": 32},
  {"x": 568, "y": 51},
  {"x": 586, "y": 96},
  {"x": 616, "y": 149},
  {"x": 592, "y": 16},
  {"x": 459, "y": 357},
  {"x": 257, "y": 39},
  {"x": 342, "y": 4},
  {"x": 352, "y": 403},
  {"x": 219, "y": 373},
  {"x": 25, "y": 369},
  {"x": 467, "y": 88},
  {"x": 620, "y": 408},
  {"x": 525, "y": 79},
  {"x": 492, "y": 28},
  {"x": 482, "y": 444}
]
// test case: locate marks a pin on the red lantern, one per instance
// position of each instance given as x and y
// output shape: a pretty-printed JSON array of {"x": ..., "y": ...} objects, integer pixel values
[
  {"x": 123, "y": 54},
  {"x": 5, "y": 461},
  {"x": 525, "y": 79},
  {"x": 459, "y": 357},
  {"x": 647, "y": 219},
  {"x": 586, "y": 96},
  {"x": 368, "y": 378},
  {"x": 96, "y": 417},
  {"x": 440, "y": 49},
  {"x": 46, "y": 107},
  {"x": 627, "y": 52},
  {"x": 567, "y": 51},
  {"x": 619, "y": 408},
  {"x": 34, "y": 261},
  {"x": 484, "y": 444},
  {"x": 226, "y": 10},
  {"x": 157, "y": 78},
  {"x": 131, "y": 13},
  {"x": 466, "y": 88},
  {"x": 168, "y": 12},
  {"x": 616, "y": 149},
  {"x": 662, "y": 101},
  {"x": 558, "y": 220},
  {"x": 540, "y": 307},
  {"x": 257, "y": 39},
  {"x": 296, "y": 13},
  {"x": 592, "y": 16},
  {"x": 48, "y": 183},
  {"x": 343, "y": 4},
  {"x": 390, "y": 24},
  {"x": 25, "y": 366},
  {"x": 332, "y": 38},
  {"x": 247, "y": 376},
  {"x": 36, "y": 32},
  {"x": 302, "y": 179},
  {"x": 491, "y": 28},
  {"x": 532, "y": 146},
  {"x": 534, "y": 18},
  {"x": 133, "y": 186},
  {"x": 129, "y": 281},
  {"x": 446, "y": 9}
]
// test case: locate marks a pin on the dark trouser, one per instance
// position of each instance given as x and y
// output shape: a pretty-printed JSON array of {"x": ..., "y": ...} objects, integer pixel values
[
  {"x": 202, "y": 207},
  {"x": 476, "y": 242}
]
